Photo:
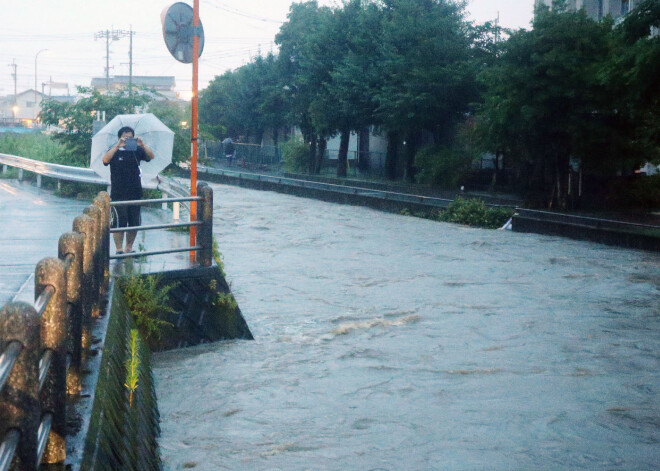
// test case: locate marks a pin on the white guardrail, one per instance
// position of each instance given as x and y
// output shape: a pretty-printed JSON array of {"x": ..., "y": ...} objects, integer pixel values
[{"x": 86, "y": 175}]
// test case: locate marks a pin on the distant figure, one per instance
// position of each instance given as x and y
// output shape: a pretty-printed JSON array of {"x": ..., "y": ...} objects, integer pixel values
[
  {"x": 126, "y": 185},
  {"x": 230, "y": 150}
]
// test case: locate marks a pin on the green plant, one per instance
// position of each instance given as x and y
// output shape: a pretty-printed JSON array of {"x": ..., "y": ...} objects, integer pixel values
[
  {"x": 147, "y": 301},
  {"x": 473, "y": 212},
  {"x": 295, "y": 154},
  {"x": 132, "y": 366},
  {"x": 217, "y": 256}
]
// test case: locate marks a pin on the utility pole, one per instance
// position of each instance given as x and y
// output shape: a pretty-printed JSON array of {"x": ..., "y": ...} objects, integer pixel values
[
  {"x": 108, "y": 35},
  {"x": 15, "y": 76},
  {"x": 130, "y": 62}
]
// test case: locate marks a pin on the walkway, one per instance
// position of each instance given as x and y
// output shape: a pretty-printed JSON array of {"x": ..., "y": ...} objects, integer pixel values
[{"x": 32, "y": 221}]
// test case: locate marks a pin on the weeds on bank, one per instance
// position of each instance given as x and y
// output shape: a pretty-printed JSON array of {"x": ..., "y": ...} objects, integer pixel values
[
  {"x": 132, "y": 366},
  {"x": 475, "y": 213},
  {"x": 147, "y": 301}
]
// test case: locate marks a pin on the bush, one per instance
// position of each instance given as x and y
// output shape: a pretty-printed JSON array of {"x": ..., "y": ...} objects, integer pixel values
[
  {"x": 442, "y": 166},
  {"x": 295, "y": 154},
  {"x": 147, "y": 302},
  {"x": 37, "y": 146},
  {"x": 473, "y": 212}
]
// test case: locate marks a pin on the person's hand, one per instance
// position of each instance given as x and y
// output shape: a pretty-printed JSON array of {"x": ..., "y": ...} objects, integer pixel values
[
  {"x": 140, "y": 143},
  {"x": 121, "y": 142}
]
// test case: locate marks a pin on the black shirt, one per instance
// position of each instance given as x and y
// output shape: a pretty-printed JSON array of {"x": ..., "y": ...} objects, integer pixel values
[{"x": 125, "y": 174}]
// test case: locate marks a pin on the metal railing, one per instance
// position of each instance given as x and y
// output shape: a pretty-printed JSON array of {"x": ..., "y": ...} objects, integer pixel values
[
  {"x": 42, "y": 344},
  {"x": 203, "y": 236}
]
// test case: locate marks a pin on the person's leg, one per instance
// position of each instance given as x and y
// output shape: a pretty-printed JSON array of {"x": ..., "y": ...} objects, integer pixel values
[
  {"x": 119, "y": 219},
  {"x": 134, "y": 220},
  {"x": 119, "y": 241}
]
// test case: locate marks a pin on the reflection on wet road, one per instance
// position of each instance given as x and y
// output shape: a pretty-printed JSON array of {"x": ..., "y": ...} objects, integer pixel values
[{"x": 386, "y": 342}]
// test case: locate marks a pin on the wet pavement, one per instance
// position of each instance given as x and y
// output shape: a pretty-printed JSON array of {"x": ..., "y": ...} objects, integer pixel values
[{"x": 32, "y": 221}]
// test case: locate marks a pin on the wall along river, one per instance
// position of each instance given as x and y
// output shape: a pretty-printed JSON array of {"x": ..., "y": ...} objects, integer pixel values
[{"x": 386, "y": 342}]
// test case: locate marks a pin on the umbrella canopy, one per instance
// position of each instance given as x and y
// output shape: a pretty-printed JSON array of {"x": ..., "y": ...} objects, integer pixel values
[{"x": 150, "y": 129}]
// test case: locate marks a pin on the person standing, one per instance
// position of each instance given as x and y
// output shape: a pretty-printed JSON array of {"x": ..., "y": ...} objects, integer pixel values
[
  {"x": 230, "y": 150},
  {"x": 126, "y": 185}
]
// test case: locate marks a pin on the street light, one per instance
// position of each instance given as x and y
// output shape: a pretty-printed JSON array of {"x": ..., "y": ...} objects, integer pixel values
[{"x": 35, "y": 76}]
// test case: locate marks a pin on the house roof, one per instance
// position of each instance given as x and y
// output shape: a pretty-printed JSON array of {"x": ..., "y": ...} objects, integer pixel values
[{"x": 158, "y": 82}]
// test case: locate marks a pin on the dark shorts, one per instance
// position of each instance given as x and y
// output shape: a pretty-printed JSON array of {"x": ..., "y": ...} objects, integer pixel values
[{"x": 125, "y": 216}]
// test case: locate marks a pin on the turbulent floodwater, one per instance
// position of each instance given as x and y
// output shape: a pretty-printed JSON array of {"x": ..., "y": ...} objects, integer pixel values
[{"x": 386, "y": 342}]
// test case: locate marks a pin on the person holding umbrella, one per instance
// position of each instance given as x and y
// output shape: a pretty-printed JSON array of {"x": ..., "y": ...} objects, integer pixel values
[{"x": 125, "y": 180}]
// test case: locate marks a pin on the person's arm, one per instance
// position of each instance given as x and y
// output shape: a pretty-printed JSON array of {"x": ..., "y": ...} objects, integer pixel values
[
  {"x": 107, "y": 157},
  {"x": 147, "y": 150}
]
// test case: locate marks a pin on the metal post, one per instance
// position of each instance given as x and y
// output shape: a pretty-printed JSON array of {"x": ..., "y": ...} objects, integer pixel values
[
  {"x": 38, "y": 181},
  {"x": 84, "y": 225},
  {"x": 52, "y": 272},
  {"x": 97, "y": 264},
  {"x": 205, "y": 232},
  {"x": 176, "y": 209},
  {"x": 71, "y": 243},
  {"x": 19, "y": 399},
  {"x": 102, "y": 201},
  {"x": 20, "y": 174}
]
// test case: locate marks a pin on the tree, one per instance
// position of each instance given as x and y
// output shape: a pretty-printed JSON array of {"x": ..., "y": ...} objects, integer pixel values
[
  {"x": 172, "y": 114},
  {"x": 544, "y": 102},
  {"x": 428, "y": 79},
  {"x": 76, "y": 120}
]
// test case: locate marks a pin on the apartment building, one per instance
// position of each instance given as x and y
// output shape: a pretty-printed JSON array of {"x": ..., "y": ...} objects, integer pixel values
[{"x": 599, "y": 9}]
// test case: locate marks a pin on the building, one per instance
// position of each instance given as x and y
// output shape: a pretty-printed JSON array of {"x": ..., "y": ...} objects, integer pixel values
[
  {"x": 163, "y": 85},
  {"x": 599, "y": 9},
  {"x": 24, "y": 107}
]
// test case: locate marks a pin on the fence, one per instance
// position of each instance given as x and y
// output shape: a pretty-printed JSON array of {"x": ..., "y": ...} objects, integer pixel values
[{"x": 43, "y": 345}]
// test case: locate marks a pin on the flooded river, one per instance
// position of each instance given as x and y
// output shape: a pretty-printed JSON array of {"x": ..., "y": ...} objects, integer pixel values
[{"x": 386, "y": 342}]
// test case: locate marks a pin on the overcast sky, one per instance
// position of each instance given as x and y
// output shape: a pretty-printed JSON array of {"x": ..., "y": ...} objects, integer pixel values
[{"x": 235, "y": 31}]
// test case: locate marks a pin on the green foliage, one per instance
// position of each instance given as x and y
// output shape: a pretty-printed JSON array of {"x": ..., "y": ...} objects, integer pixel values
[
  {"x": 642, "y": 192},
  {"x": 132, "y": 366},
  {"x": 147, "y": 301},
  {"x": 442, "y": 166},
  {"x": 172, "y": 114},
  {"x": 217, "y": 256},
  {"x": 473, "y": 212},
  {"x": 76, "y": 120},
  {"x": 37, "y": 146},
  {"x": 295, "y": 154}
]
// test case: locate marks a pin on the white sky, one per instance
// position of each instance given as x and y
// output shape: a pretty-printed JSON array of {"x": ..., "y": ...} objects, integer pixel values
[{"x": 235, "y": 31}]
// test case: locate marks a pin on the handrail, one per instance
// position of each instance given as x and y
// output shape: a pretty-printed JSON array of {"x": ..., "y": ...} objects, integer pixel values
[
  {"x": 7, "y": 360},
  {"x": 68, "y": 290},
  {"x": 8, "y": 448},
  {"x": 204, "y": 242}
]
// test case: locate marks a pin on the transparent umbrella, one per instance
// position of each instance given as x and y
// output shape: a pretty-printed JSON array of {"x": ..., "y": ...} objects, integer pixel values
[{"x": 152, "y": 131}]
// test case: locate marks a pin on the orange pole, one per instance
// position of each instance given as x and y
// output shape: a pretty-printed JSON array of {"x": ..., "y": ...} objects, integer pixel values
[{"x": 193, "y": 122}]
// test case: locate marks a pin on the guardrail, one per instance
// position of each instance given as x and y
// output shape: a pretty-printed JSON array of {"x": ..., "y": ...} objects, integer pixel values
[{"x": 42, "y": 344}]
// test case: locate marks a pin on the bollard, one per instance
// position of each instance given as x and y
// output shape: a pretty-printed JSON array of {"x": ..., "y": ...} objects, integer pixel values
[
  {"x": 97, "y": 264},
  {"x": 71, "y": 243},
  {"x": 19, "y": 399},
  {"x": 102, "y": 201},
  {"x": 176, "y": 208},
  {"x": 84, "y": 225},
  {"x": 52, "y": 272},
  {"x": 205, "y": 231}
]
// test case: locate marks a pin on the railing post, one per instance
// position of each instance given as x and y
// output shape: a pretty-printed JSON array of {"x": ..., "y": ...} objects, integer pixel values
[
  {"x": 71, "y": 243},
  {"x": 19, "y": 399},
  {"x": 205, "y": 231},
  {"x": 97, "y": 265},
  {"x": 84, "y": 225},
  {"x": 102, "y": 201},
  {"x": 52, "y": 272}
]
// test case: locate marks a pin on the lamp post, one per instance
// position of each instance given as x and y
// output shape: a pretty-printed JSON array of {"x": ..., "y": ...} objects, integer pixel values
[{"x": 35, "y": 76}]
